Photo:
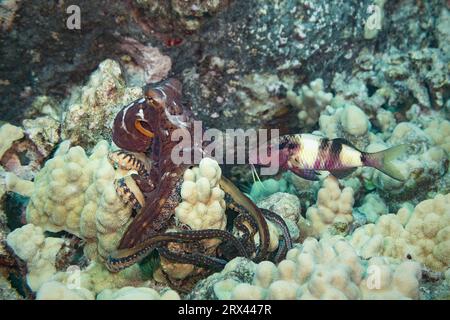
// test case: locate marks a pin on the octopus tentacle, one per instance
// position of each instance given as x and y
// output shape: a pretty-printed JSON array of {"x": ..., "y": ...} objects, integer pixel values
[
  {"x": 195, "y": 258},
  {"x": 124, "y": 258},
  {"x": 127, "y": 161},
  {"x": 275, "y": 218},
  {"x": 254, "y": 211},
  {"x": 245, "y": 223},
  {"x": 126, "y": 195},
  {"x": 286, "y": 243},
  {"x": 281, "y": 252}
]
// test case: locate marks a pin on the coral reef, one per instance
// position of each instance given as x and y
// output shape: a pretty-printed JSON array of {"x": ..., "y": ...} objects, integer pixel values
[
  {"x": 144, "y": 63},
  {"x": 421, "y": 235},
  {"x": 203, "y": 204},
  {"x": 202, "y": 207},
  {"x": 39, "y": 253},
  {"x": 132, "y": 293},
  {"x": 76, "y": 193},
  {"x": 81, "y": 220},
  {"x": 95, "y": 282},
  {"x": 421, "y": 169},
  {"x": 333, "y": 212},
  {"x": 9, "y": 134},
  {"x": 325, "y": 269},
  {"x": 311, "y": 100},
  {"x": 90, "y": 110}
]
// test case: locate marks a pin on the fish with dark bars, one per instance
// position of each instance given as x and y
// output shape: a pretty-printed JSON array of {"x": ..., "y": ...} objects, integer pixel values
[{"x": 307, "y": 154}]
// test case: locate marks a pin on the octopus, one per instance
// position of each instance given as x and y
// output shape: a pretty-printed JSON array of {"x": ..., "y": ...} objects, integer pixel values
[{"x": 143, "y": 131}]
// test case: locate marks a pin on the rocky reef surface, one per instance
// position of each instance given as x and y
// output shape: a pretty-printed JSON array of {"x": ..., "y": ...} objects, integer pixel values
[{"x": 375, "y": 73}]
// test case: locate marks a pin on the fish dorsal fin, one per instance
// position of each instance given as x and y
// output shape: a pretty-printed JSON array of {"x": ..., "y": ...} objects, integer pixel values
[
  {"x": 346, "y": 142},
  {"x": 342, "y": 173}
]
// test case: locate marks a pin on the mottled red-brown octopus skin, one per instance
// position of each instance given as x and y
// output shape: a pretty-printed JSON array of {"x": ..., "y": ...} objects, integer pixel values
[
  {"x": 159, "y": 112},
  {"x": 146, "y": 126}
]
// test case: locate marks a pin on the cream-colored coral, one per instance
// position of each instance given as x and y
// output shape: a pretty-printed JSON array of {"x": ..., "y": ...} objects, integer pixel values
[
  {"x": 38, "y": 251},
  {"x": 422, "y": 235},
  {"x": 327, "y": 269},
  {"x": 387, "y": 237},
  {"x": 11, "y": 182},
  {"x": 332, "y": 212},
  {"x": 96, "y": 278},
  {"x": 388, "y": 281},
  {"x": 311, "y": 100},
  {"x": 76, "y": 193},
  {"x": 374, "y": 22},
  {"x": 439, "y": 131},
  {"x": 354, "y": 121},
  {"x": 90, "y": 110},
  {"x": 345, "y": 120},
  {"x": 429, "y": 232},
  {"x": 9, "y": 134},
  {"x": 96, "y": 282},
  {"x": 425, "y": 161},
  {"x": 373, "y": 207},
  {"x": 140, "y": 293},
  {"x": 54, "y": 290},
  {"x": 202, "y": 207},
  {"x": 44, "y": 132}
]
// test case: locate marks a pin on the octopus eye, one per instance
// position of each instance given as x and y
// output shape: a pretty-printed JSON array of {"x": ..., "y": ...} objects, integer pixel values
[
  {"x": 143, "y": 128},
  {"x": 153, "y": 98}
]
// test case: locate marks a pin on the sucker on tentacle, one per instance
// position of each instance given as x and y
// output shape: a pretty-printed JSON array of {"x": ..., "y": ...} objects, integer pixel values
[
  {"x": 126, "y": 195},
  {"x": 128, "y": 161}
]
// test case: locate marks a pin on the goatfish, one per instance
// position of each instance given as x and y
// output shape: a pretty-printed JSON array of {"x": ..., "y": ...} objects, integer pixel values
[{"x": 307, "y": 154}]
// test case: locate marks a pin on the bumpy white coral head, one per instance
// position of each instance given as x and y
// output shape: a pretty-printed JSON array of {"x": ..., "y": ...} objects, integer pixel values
[
  {"x": 429, "y": 232},
  {"x": 388, "y": 280},
  {"x": 325, "y": 269},
  {"x": 76, "y": 193},
  {"x": 9, "y": 134},
  {"x": 203, "y": 205},
  {"x": 39, "y": 253},
  {"x": 333, "y": 209},
  {"x": 310, "y": 101},
  {"x": 140, "y": 293}
]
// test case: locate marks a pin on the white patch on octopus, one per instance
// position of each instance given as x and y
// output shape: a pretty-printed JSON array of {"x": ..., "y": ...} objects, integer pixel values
[
  {"x": 123, "y": 125},
  {"x": 140, "y": 114}
]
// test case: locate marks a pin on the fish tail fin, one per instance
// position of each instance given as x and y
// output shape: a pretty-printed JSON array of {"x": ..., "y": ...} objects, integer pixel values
[{"x": 384, "y": 161}]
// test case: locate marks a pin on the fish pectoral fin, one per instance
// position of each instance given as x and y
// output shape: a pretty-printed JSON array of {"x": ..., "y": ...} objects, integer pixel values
[
  {"x": 307, "y": 174},
  {"x": 342, "y": 173}
]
